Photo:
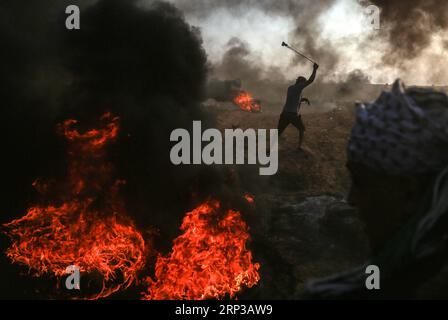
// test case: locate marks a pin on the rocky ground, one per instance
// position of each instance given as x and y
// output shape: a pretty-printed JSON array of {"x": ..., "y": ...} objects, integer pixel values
[{"x": 308, "y": 230}]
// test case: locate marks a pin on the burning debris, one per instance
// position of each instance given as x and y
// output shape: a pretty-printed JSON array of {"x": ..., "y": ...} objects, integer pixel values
[
  {"x": 209, "y": 260},
  {"x": 249, "y": 198},
  {"x": 230, "y": 91},
  {"x": 85, "y": 224},
  {"x": 246, "y": 102}
]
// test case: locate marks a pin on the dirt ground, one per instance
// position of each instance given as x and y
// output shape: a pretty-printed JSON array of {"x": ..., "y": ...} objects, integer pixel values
[{"x": 320, "y": 168}]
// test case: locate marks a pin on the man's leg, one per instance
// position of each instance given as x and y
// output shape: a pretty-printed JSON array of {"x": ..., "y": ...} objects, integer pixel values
[
  {"x": 282, "y": 124},
  {"x": 301, "y": 131},
  {"x": 301, "y": 136},
  {"x": 297, "y": 122}
]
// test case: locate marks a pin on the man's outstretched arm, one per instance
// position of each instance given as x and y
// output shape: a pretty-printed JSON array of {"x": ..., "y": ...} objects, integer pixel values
[{"x": 313, "y": 75}]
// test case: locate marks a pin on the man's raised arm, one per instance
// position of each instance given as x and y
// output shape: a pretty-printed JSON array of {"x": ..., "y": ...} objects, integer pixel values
[{"x": 313, "y": 75}]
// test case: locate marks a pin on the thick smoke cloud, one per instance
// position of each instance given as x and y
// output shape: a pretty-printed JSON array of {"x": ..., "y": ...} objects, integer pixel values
[
  {"x": 307, "y": 35},
  {"x": 270, "y": 84},
  {"x": 264, "y": 82},
  {"x": 28, "y": 97},
  {"x": 411, "y": 25},
  {"x": 396, "y": 50},
  {"x": 147, "y": 66},
  {"x": 239, "y": 61},
  {"x": 305, "y": 15}
]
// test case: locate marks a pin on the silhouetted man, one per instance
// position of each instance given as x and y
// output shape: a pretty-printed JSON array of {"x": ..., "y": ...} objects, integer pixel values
[{"x": 290, "y": 113}]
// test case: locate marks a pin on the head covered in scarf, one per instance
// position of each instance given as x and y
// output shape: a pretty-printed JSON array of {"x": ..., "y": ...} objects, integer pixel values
[{"x": 402, "y": 132}]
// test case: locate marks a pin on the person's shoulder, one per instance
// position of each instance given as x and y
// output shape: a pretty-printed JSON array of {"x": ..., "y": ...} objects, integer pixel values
[{"x": 297, "y": 87}]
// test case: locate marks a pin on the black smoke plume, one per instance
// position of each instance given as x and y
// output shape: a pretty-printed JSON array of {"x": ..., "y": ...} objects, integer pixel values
[
  {"x": 411, "y": 25},
  {"x": 266, "y": 82}
]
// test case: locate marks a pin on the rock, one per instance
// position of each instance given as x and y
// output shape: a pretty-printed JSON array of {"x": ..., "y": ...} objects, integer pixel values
[{"x": 342, "y": 221}]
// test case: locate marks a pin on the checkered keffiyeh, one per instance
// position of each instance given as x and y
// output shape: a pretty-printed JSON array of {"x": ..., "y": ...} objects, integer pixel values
[{"x": 403, "y": 131}]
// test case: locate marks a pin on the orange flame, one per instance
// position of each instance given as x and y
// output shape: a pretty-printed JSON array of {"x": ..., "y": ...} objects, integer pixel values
[
  {"x": 86, "y": 225},
  {"x": 95, "y": 138},
  {"x": 249, "y": 198},
  {"x": 209, "y": 260},
  {"x": 246, "y": 102}
]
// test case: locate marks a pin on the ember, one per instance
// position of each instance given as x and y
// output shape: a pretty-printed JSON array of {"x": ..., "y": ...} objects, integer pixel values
[
  {"x": 209, "y": 260},
  {"x": 85, "y": 225},
  {"x": 246, "y": 102},
  {"x": 249, "y": 198}
]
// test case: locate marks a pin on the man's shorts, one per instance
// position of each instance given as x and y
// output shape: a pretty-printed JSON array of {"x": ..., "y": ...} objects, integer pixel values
[{"x": 287, "y": 118}]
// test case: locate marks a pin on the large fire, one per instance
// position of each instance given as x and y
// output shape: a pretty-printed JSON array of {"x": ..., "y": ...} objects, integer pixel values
[
  {"x": 246, "y": 102},
  {"x": 209, "y": 260},
  {"x": 85, "y": 223},
  {"x": 82, "y": 221}
]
